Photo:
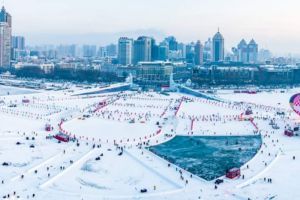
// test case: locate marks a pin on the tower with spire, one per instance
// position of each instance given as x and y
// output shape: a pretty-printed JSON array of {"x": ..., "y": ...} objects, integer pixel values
[{"x": 218, "y": 47}]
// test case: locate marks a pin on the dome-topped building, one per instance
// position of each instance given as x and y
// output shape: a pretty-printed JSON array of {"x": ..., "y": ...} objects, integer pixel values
[{"x": 218, "y": 36}]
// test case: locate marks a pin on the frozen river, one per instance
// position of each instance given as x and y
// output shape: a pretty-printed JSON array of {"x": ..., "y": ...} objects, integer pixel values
[{"x": 209, "y": 157}]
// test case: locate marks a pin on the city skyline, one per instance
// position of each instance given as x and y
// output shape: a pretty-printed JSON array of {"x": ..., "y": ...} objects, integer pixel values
[{"x": 99, "y": 24}]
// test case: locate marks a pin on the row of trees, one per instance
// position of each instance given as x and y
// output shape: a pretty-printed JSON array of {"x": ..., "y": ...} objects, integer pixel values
[{"x": 66, "y": 74}]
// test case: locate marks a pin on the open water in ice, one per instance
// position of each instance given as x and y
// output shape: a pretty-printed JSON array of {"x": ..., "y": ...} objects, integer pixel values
[{"x": 209, "y": 156}]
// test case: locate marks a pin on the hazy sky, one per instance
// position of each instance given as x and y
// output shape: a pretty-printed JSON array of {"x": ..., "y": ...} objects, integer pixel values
[{"x": 274, "y": 24}]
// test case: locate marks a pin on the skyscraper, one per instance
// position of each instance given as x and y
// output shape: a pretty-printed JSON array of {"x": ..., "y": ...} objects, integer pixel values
[
  {"x": 242, "y": 51},
  {"x": 154, "y": 50},
  {"x": 5, "y": 38},
  {"x": 125, "y": 51},
  {"x": 111, "y": 50},
  {"x": 18, "y": 42},
  {"x": 207, "y": 51},
  {"x": 247, "y": 53},
  {"x": 5, "y": 17},
  {"x": 102, "y": 53},
  {"x": 66, "y": 51},
  {"x": 18, "y": 47},
  {"x": 190, "y": 53},
  {"x": 218, "y": 48},
  {"x": 252, "y": 52},
  {"x": 182, "y": 50},
  {"x": 172, "y": 43},
  {"x": 142, "y": 49},
  {"x": 89, "y": 51},
  {"x": 264, "y": 55},
  {"x": 198, "y": 53},
  {"x": 163, "y": 51}
]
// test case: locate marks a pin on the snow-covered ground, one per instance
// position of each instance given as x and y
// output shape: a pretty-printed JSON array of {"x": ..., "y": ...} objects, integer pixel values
[
  {"x": 276, "y": 98},
  {"x": 109, "y": 159},
  {"x": 7, "y": 90}
]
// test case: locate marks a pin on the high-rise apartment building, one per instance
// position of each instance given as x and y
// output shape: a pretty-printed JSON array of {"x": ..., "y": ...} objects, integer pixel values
[
  {"x": 18, "y": 47},
  {"x": 190, "y": 53},
  {"x": 111, "y": 50},
  {"x": 172, "y": 43},
  {"x": 89, "y": 51},
  {"x": 142, "y": 49},
  {"x": 18, "y": 42},
  {"x": 125, "y": 51},
  {"x": 5, "y": 38},
  {"x": 198, "y": 53},
  {"x": 66, "y": 51},
  {"x": 163, "y": 51},
  {"x": 182, "y": 50}
]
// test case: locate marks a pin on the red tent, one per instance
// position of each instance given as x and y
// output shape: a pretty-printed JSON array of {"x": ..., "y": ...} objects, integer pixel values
[{"x": 233, "y": 173}]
